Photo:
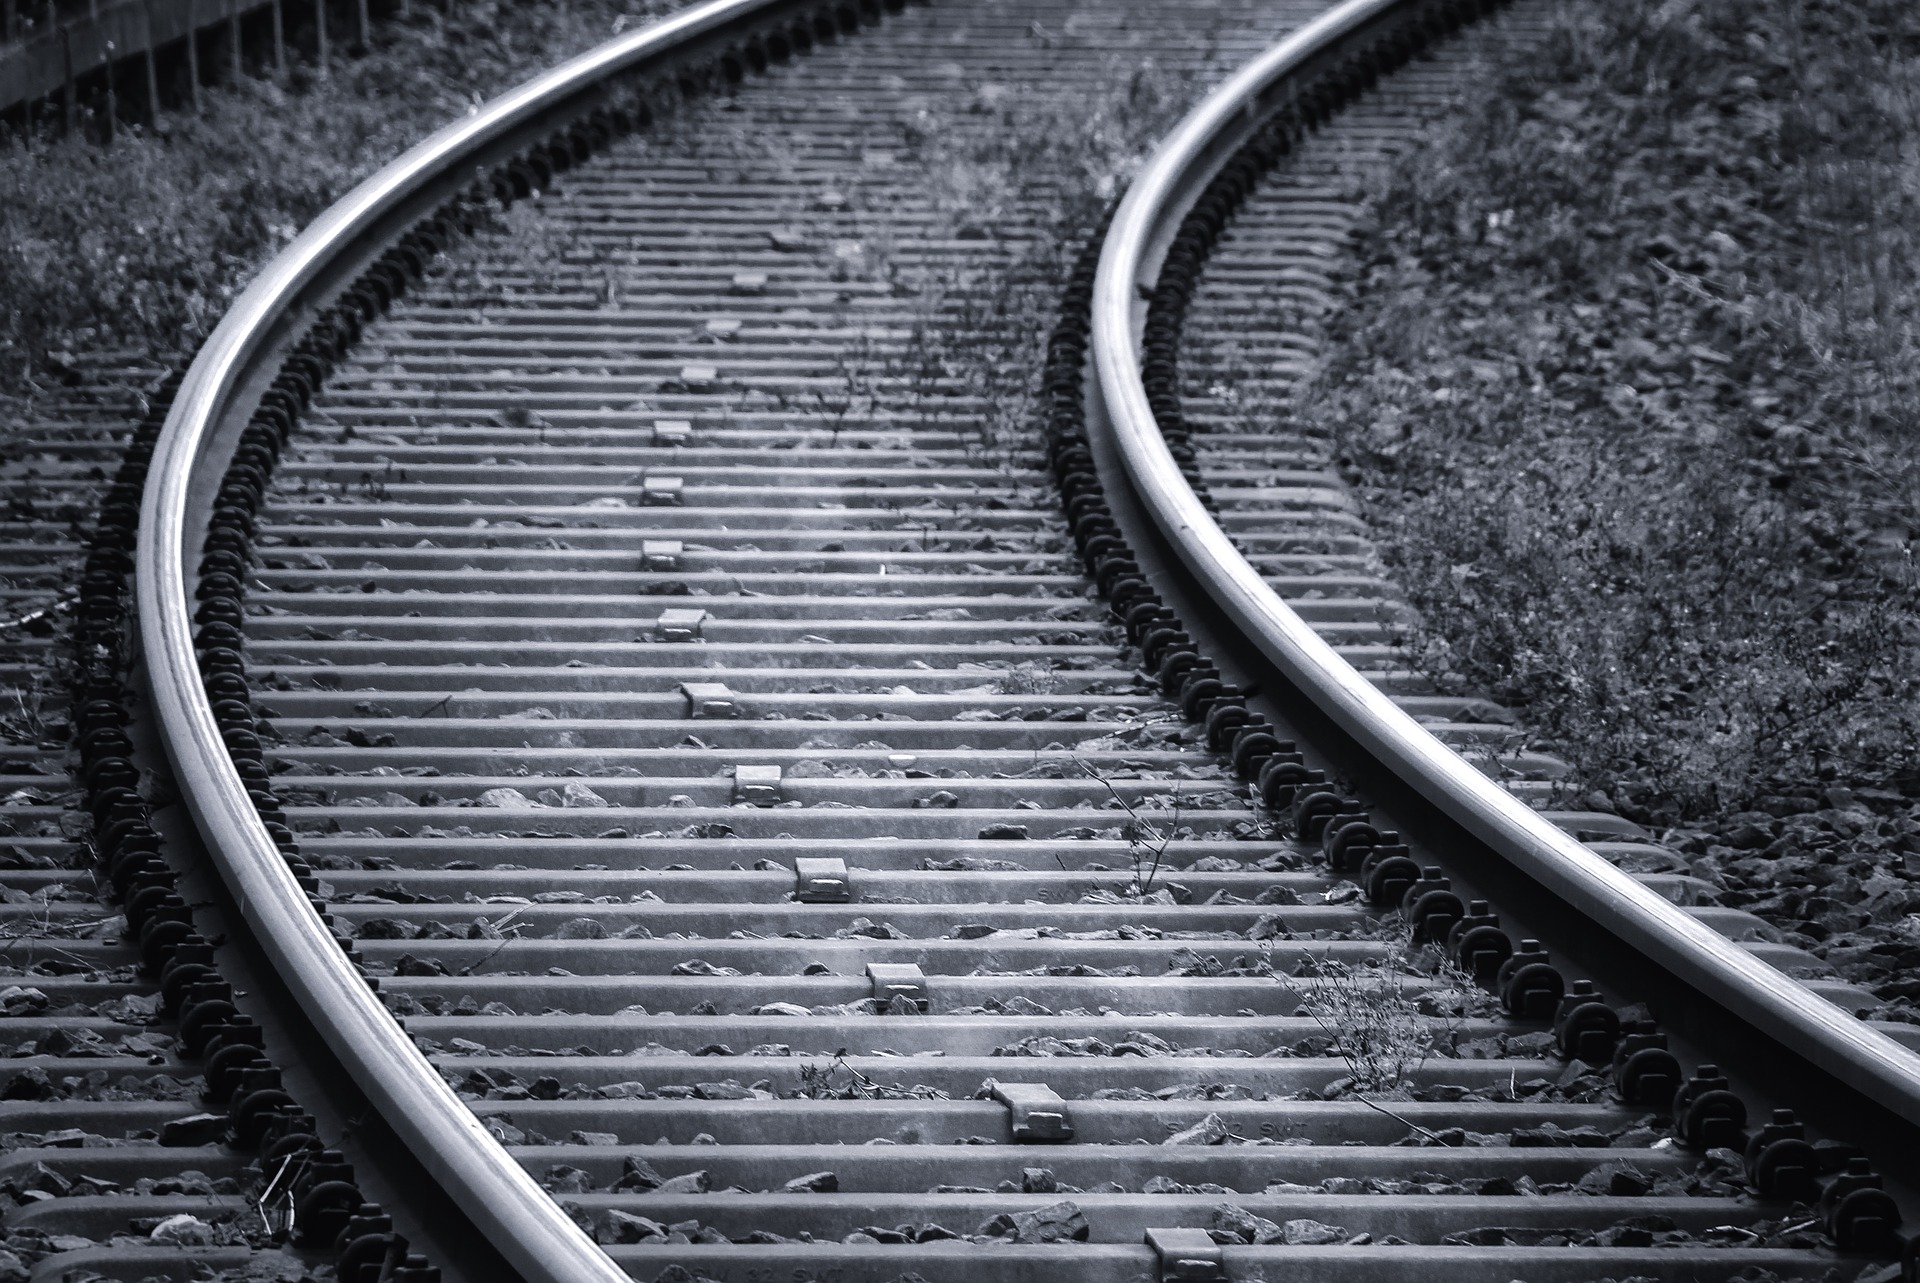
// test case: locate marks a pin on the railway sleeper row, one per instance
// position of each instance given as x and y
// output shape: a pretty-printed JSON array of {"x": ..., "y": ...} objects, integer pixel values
[{"x": 925, "y": 941}]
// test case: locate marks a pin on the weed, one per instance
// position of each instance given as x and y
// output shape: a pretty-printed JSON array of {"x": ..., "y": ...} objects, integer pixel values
[
  {"x": 1028, "y": 679},
  {"x": 1381, "y": 1015},
  {"x": 1146, "y": 841},
  {"x": 1015, "y": 182},
  {"x": 541, "y": 245},
  {"x": 28, "y": 714},
  {"x": 825, "y": 1082},
  {"x": 849, "y": 392},
  {"x": 376, "y": 487}
]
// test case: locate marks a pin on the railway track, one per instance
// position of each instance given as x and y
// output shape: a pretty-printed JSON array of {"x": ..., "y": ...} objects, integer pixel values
[
  {"x": 709, "y": 657},
  {"x": 1243, "y": 340},
  {"x": 1246, "y": 341}
]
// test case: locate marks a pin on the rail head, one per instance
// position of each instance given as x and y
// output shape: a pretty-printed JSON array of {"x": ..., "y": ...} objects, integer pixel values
[
  {"x": 1750, "y": 989},
  {"x": 524, "y": 1223}
]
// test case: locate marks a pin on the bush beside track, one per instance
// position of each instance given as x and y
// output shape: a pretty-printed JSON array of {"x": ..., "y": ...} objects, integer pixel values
[
  {"x": 139, "y": 247},
  {"x": 1625, "y": 371}
]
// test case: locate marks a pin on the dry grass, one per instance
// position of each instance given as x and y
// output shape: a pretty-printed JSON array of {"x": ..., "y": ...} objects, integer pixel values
[
  {"x": 1628, "y": 370},
  {"x": 1389, "y": 1016}
]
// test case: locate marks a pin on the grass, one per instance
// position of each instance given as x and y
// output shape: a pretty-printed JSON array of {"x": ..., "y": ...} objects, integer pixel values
[
  {"x": 86, "y": 268},
  {"x": 1627, "y": 374},
  {"x": 1384, "y": 1019},
  {"x": 1370, "y": 1012},
  {"x": 1019, "y": 177},
  {"x": 1147, "y": 842}
]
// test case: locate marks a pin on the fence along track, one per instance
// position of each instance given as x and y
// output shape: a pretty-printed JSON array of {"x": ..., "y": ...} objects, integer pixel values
[
  {"x": 633, "y": 858},
  {"x": 71, "y": 50}
]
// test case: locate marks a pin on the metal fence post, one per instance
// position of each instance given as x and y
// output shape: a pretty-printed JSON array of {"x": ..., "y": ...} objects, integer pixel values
[
  {"x": 113, "y": 95},
  {"x": 193, "y": 67},
  {"x": 152, "y": 69},
  {"x": 70, "y": 108}
]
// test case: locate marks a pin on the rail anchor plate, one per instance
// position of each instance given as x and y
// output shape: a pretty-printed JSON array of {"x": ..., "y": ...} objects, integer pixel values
[
  {"x": 893, "y": 980},
  {"x": 1187, "y": 1256},
  {"x": 1036, "y": 1112},
  {"x": 660, "y": 554},
  {"x": 822, "y": 881},
  {"x": 759, "y": 785},
  {"x": 709, "y": 699}
]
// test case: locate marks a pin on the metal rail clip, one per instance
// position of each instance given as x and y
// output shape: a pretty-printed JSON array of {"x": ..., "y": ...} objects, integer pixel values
[
  {"x": 759, "y": 785},
  {"x": 1187, "y": 1256},
  {"x": 893, "y": 980},
  {"x": 672, "y": 431},
  {"x": 1037, "y": 1113},
  {"x": 661, "y": 491},
  {"x": 681, "y": 624},
  {"x": 822, "y": 880},
  {"x": 709, "y": 699},
  {"x": 660, "y": 554}
]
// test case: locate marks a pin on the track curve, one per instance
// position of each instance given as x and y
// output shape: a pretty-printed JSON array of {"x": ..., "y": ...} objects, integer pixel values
[
  {"x": 686, "y": 531},
  {"x": 1641, "y": 919}
]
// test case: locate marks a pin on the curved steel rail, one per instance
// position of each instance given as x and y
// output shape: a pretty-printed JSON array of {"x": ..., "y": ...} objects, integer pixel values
[
  {"x": 1749, "y": 988},
  {"x": 525, "y": 1225}
]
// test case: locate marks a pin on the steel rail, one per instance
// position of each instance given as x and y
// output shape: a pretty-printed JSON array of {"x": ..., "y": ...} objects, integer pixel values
[
  {"x": 1749, "y": 988},
  {"x": 522, "y": 1221}
]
